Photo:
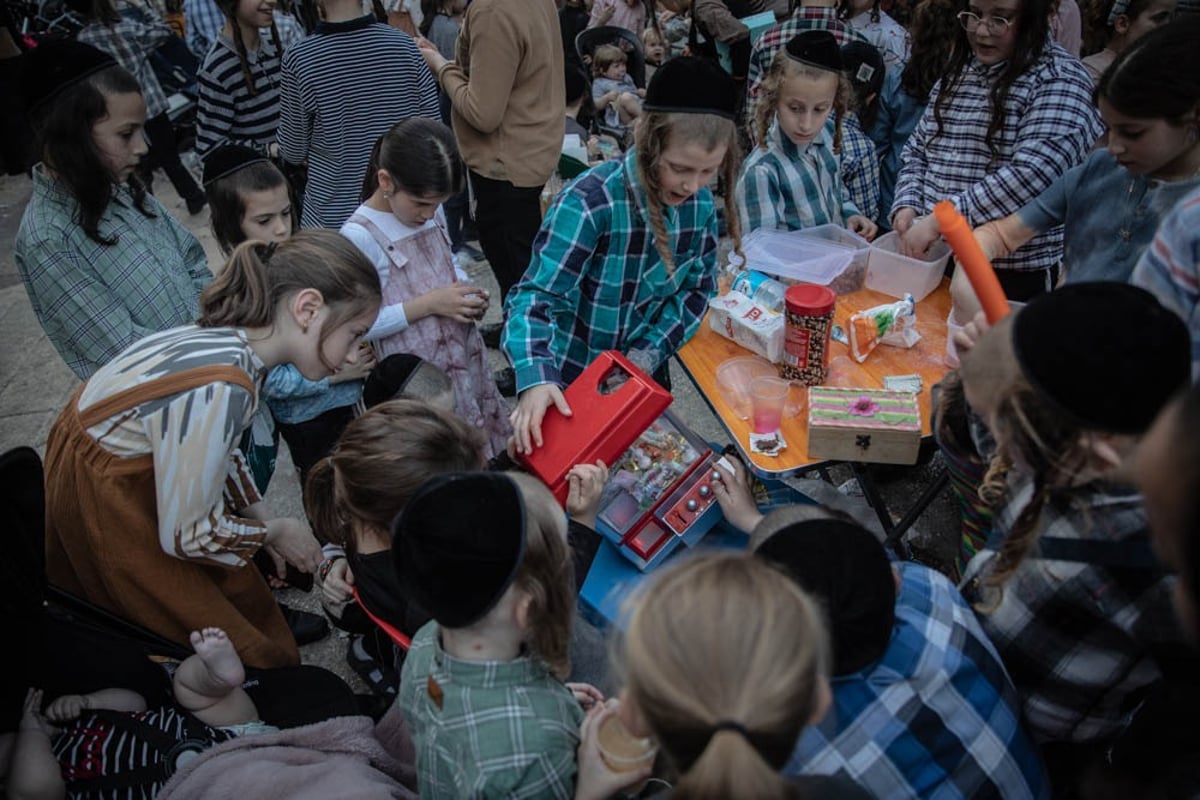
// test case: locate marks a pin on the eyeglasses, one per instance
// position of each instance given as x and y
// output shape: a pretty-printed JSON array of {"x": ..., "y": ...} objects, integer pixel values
[{"x": 997, "y": 26}]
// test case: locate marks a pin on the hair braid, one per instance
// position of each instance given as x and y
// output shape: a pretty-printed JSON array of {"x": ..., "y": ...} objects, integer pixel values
[{"x": 240, "y": 45}]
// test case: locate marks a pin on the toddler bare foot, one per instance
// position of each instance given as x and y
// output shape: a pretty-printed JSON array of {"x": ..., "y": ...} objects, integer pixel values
[{"x": 217, "y": 653}]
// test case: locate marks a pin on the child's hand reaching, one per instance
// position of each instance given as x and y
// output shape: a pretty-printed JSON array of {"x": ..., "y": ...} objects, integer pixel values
[
  {"x": 641, "y": 93},
  {"x": 461, "y": 302},
  {"x": 587, "y": 695},
  {"x": 862, "y": 226},
  {"x": 32, "y": 719},
  {"x": 585, "y": 484},
  {"x": 531, "y": 409},
  {"x": 921, "y": 234},
  {"x": 67, "y": 707},
  {"x": 431, "y": 54},
  {"x": 734, "y": 496},
  {"x": 359, "y": 369},
  {"x": 337, "y": 586},
  {"x": 595, "y": 780}
]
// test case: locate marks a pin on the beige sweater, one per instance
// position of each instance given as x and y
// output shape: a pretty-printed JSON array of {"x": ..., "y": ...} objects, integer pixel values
[{"x": 507, "y": 90}]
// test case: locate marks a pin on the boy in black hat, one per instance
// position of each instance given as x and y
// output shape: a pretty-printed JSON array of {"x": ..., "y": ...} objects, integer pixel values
[
  {"x": 1068, "y": 588},
  {"x": 626, "y": 258},
  {"x": 481, "y": 689}
]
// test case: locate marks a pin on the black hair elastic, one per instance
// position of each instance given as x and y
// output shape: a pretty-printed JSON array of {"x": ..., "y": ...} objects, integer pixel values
[{"x": 729, "y": 725}]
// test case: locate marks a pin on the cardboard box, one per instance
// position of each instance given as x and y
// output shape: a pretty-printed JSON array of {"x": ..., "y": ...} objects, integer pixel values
[{"x": 863, "y": 425}]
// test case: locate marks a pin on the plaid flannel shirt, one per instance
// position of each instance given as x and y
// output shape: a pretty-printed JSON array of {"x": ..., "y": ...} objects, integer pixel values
[
  {"x": 786, "y": 187},
  {"x": 935, "y": 716},
  {"x": 495, "y": 729},
  {"x": 805, "y": 18},
  {"x": 204, "y": 22},
  {"x": 597, "y": 282},
  {"x": 1076, "y": 637},
  {"x": 1170, "y": 268},
  {"x": 131, "y": 42},
  {"x": 1050, "y": 125},
  {"x": 94, "y": 300},
  {"x": 860, "y": 167}
]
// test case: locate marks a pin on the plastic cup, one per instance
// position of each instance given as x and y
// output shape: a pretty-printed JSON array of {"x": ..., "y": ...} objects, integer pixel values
[
  {"x": 620, "y": 749},
  {"x": 768, "y": 396}
]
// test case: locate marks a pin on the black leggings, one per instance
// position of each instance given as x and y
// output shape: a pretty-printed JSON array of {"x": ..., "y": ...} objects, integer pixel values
[{"x": 164, "y": 152}]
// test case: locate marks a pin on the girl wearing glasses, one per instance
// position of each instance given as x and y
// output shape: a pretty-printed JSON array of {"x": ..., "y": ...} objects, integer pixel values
[{"x": 1012, "y": 112}]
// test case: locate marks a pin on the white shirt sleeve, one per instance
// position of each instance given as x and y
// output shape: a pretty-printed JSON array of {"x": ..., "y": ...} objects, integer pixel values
[{"x": 391, "y": 318}]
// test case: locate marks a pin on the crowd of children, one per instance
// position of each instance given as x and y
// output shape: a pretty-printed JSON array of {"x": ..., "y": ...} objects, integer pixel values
[{"x": 1056, "y": 660}]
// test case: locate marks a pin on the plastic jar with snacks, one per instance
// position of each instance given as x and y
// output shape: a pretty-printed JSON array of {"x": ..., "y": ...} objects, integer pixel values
[{"x": 809, "y": 313}]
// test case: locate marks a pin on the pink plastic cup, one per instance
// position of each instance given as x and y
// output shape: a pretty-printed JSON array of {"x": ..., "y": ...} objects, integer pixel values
[{"x": 768, "y": 396}]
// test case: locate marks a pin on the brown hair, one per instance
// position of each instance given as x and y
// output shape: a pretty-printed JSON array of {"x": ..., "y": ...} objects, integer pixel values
[
  {"x": 605, "y": 56},
  {"x": 227, "y": 200},
  {"x": 783, "y": 67},
  {"x": 380, "y": 461},
  {"x": 656, "y": 131},
  {"x": 547, "y": 575},
  {"x": 258, "y": 277},
  {"x": 725, "y": 638},
  {"x": 932, "y": 36},
  {"x": 229, "y": 10}
]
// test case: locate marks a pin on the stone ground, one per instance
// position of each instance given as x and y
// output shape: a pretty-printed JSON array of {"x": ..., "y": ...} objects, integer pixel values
[{"x": 35, "y": 384}]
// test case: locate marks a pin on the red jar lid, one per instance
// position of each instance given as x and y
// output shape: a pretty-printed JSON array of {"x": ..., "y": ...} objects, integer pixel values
[{"x": 810, "y": 299}]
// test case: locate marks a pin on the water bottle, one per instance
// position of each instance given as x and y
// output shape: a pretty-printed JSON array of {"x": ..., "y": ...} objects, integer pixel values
[{"x": 764, "y": 291}]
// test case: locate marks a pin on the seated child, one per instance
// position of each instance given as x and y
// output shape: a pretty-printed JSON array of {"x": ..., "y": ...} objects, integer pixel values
[
  {"x": 613, "y": 90},
  {"x": 481, "y": 690},
  {"x": 864, "y": 70},
  {"x": 110, "y": 739},
  {"x": 1067, "y": 587},
  {"x": 908, "y": 657},
  {"x": 654, "y": 50}
]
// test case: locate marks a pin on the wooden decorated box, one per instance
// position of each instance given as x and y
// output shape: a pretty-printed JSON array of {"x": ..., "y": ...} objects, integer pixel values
[{"x": 863, "y": 425}]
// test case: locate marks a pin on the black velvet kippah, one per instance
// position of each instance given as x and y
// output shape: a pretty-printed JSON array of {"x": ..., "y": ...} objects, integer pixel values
[
  {"x": 845, "y": 567},
  {"x": 1107, "y": 355},
  {"x": 228, "y": 159},
  {"x": 458, "y": 544},
  {"x": 815, "y": 48},
  {"x": 691, "y": 85},
  {"x": 55, "y": 66}
]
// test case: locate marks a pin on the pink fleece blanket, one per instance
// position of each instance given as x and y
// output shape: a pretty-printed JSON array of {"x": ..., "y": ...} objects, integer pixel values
[{"x": 344, "y": 757}]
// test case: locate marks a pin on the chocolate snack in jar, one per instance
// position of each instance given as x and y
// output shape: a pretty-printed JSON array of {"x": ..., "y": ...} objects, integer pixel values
[{"x": 809, "y": 318}]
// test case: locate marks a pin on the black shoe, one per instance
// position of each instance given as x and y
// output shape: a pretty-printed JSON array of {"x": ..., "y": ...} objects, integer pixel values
[
  {"x": 491, "y": 333},
  {"x": 506, "y": 381},
  {"x": 196, "y": 204},
  {"x": 306, "y": 627},
  {"x": 467, "y": 251},
  {"x": 380, "y": 678}
]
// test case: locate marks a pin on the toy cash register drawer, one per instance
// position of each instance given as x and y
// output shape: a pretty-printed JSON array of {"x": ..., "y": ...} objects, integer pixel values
[{"x": 659, "y": 494}]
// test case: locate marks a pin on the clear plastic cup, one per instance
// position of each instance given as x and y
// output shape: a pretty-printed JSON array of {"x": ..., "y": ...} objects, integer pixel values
[
  {"x": 769, "y": 397},
  {"x": 620, "y": 749}
]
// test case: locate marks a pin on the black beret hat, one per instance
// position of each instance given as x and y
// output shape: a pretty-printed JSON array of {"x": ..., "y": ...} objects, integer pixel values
[
  {"x": 691, "y": 85},
  {"x": 845, "y": 567},
  {"x": 55, "y": 66},
  {"x": 458, "y": 544},
  {"x": 1107, "y": 355},
  {"x": 228, "y": 159},
  {"x": 815, "y": 48},
  {"x": 863, "y": 65}
]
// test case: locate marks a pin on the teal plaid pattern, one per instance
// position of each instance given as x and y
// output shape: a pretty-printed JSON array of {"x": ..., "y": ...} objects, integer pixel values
[
  {"x": 596, "y": 281},
  {"x": 502, "y": 729}
]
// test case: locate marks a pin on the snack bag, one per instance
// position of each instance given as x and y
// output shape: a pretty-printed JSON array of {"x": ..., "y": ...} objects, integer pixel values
[{"x": 893, "y": 323}]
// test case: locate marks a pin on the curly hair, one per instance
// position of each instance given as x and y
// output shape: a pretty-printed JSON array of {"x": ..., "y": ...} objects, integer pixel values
[
  {"x": 782, "y": 68},
  {"x": 933, "y": 25}
]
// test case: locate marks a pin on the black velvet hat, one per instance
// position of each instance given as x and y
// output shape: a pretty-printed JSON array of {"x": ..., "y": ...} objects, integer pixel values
[
  {"x": 228, "y": 159},
  {"x": 1107, "y": 355},
  {"x": 815, "y": 48},
  {"x": 55, "y": 66},
  {"x": 458, "y": 544},
  {"x": 691, "y": 85},
  {"x": 845, "y": 567}
]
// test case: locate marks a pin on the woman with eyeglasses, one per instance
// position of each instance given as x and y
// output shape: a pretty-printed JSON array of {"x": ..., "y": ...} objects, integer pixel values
[{"x": 1012, "y": 113}]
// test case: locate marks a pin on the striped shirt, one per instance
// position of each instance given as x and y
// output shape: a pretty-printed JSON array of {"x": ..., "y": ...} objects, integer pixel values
[
  {"x": 596, "y": 281},
  {"x": 1170, "y": 268},
  {"x": 1050, "y": 125},
  {"x": 199, "y": 472},
  {"x": 131, "y": 42},
  {"x": 226, "y": 112},
  {"x": 94, "y": 300},
  {"x": 336, "y": 105},
  {"x": 806, "y": 18},
  {"x": 786, "y": 187},
  {"x": 860, "y": 166}
]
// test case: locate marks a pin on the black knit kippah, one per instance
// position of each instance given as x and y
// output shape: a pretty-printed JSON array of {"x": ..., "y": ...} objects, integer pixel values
[
  {"x": 55, "y": 66},
  {"x": 691, "y": 85},
  {"x": 1107, "y": 355},
  {"x": 815, "y": 48},
  {"x": 228, "y": 159},
  {"x": 458, "y": 543}
]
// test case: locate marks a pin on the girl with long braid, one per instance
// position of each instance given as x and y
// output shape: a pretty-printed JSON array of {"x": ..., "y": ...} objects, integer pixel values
[
  {"x": 239, "y": 81},
  {"x": 626, "y": 258}
]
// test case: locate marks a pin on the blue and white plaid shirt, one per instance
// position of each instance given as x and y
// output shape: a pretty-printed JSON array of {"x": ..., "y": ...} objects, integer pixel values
[
  {"x": 805, "y": 18},
  {"x": 204, "y": 22},
  {"x": 1050, "y": 125},
  {"x": 936, "y": 716},
  {"x": 860, "y": 166}
]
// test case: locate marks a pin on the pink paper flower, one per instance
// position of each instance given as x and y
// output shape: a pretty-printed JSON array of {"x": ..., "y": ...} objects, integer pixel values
[{"x": 864, "y": 407}]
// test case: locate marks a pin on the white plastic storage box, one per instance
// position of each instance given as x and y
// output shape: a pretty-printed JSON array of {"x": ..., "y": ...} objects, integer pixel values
[
  {"x": 892, "y": 273},
  {"x": 794, "y": 257},
  {"x": 855, "y": 275}
]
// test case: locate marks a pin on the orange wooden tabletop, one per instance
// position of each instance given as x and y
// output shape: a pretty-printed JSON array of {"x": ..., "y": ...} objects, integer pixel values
[{"x": 707, "y": 350}]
